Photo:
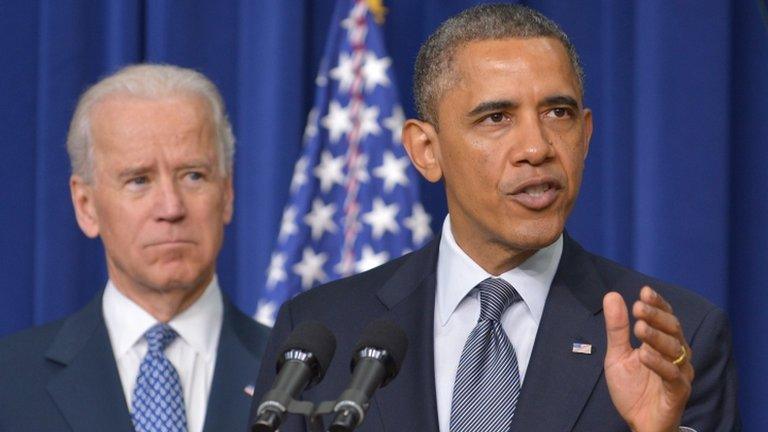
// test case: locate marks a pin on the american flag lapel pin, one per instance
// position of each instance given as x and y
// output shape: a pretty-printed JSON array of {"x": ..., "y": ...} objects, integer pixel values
[{"x": 581, "y": 348}]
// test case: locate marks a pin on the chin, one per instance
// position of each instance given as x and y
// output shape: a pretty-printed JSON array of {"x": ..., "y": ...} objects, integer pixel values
[
  {"x": 534, "y": 236},
  {"x": 179, "y": 277}
]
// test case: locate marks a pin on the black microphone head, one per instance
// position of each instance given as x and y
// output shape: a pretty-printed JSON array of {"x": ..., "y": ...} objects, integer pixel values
[
  {"x": 315, "y": 338},
  {"x": 384, "y": 335}
]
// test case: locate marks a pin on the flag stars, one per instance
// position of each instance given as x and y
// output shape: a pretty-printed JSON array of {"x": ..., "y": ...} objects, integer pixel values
[
  {"x": 310, "y": 130},
  {"x": 360, "y": 168},
  {"x": 299, "y": 178},
  {"x": 276, "y": 271},
  {"x": 370, "y": 259},
  {"x": 395, "y": 124},
  {"x": 310, "y": 268},
  {"x": 288, "y": 224},
  {"x": 375, "y": 71},
  {"x": 265, "y": 312},
  {"x": 418, "y": 223},
  {"x": 369, "y": 123},
  {"x": 392, "y": 171},
  {"x": 337, "y": 121},
  {"x": 382, "y": 218},
  {"x": 329, "y": 171},
  {"x": 320, "y": 218},
  {"x": 344, "y": 72}
]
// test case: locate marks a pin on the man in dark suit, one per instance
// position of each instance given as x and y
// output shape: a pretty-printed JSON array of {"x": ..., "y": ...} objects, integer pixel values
[
  {"x": 500, "y": 96},
  {"x": 161, "y": 348}
]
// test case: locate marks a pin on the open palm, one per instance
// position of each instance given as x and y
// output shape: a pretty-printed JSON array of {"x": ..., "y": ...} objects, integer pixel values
[{"x": 648, "y": 390}]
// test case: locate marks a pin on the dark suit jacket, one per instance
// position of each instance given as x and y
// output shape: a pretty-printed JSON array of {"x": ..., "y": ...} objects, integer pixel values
[
  {"x": 63, "y": 376},
  {"x": 563, "y": 391}
]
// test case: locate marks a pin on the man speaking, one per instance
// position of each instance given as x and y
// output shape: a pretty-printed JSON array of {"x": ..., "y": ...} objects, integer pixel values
[
  {"x": 512, "y": 325},
  {"x": 161, "y": 349}
]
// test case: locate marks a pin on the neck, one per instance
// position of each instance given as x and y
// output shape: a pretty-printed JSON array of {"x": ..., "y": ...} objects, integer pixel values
[
  {"x": 492, "y": 257},
  {"x": 162, "y": 304}
]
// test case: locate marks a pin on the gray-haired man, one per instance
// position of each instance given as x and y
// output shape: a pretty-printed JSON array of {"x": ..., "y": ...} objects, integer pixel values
[
  {"x": 512, "y": 325},
  {"x": 161, "y": 348}
]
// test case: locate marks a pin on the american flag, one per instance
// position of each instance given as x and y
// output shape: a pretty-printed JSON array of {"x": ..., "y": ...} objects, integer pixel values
[{"x": 354, "y": 201}]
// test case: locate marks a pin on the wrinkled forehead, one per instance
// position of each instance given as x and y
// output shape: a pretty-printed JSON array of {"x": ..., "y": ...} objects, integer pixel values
[
  {"x": 512, "y": 55},
  {"x": 126, "y": 125}
]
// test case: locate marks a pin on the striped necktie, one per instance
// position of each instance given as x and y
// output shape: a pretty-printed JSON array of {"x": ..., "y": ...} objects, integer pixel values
[
  {"x": 488, "y": 380},
  {"x": 158, "y": 402}
]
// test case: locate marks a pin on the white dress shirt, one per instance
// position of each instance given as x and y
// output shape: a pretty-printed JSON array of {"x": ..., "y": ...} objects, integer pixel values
[
  {"x": 457, "y": 308},
  {"x": 193, "y": 353}
]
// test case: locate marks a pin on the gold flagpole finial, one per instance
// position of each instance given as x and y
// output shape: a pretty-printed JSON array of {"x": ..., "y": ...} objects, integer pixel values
[{"x": 377, "y": 9}]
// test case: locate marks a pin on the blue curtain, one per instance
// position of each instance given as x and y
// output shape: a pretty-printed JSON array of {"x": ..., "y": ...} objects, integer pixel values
[{"x": 675, "y": 183}]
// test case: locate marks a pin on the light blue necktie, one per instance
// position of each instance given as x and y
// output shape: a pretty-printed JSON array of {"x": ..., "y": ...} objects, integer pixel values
[
  {"x": 488, "y": 380},
  {"x": 158, "y": 402}
]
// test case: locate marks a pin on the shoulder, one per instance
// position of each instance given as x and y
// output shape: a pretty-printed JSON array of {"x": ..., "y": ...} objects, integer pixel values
[
  {"x": 26, "y": 371},
  {"x": 20, "y": 347},
  {"x": 359, "y": 294},
  {"x": 59, "y": 340},
  {"x": 252, "y": 334},
  {"x": 691, "y": 308},
  {"x": 360, "y": 285}
]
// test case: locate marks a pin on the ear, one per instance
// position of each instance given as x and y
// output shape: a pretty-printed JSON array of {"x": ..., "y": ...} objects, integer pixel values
[
  {"x": 85, "y": 209},
  {"x": 229, "y": 200},
  {"x": 587, "y": 130},
  {"x": 423, "y": 147}
]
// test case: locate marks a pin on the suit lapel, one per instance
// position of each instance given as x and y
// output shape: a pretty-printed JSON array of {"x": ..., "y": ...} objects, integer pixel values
[
  {"x": 87, "y": 389},
  {"x": 408, "y": 403},
  {"x": 237, "y": 364},
  {"x": 559, "y": 382}
]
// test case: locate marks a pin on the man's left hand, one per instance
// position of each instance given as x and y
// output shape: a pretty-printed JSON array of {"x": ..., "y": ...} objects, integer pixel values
[{"x": 646, "y": 385}]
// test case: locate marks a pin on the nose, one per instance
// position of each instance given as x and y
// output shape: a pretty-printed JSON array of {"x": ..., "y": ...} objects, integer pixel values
[
  {"x": 533, "y": 146},
  {"x": 169, "y": 205}
]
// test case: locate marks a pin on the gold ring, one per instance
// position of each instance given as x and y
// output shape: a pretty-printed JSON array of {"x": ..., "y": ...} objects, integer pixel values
[{"x": 682, "y": 358}]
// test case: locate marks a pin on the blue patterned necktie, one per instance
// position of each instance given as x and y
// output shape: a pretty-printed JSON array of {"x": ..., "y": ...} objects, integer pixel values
[
  {"x": 158, "y": 402},
  {"x": 488, "y": 380}
]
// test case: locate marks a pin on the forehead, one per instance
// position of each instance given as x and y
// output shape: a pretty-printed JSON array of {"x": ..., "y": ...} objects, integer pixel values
[
  {"x": 121, "y": 112},
  {"x": 123, "y": 122},
  {"x": 517, "y": 64}
]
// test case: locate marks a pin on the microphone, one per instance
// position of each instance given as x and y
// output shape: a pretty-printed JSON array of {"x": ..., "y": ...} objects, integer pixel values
[
  {"x": 305, "y": 358},
  {"x": 376, "y": 361}
]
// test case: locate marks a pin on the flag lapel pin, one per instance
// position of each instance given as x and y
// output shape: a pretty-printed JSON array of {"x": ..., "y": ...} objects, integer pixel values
[{"x": 581, "y": 348}]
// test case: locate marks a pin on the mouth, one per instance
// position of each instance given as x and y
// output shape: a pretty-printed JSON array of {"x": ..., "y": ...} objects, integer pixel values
[
  {"x": 538, "y": 193},
  {"x": 169, "y": 243}
]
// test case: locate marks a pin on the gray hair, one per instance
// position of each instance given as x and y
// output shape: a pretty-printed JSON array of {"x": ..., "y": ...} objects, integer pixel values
[
  {"x": 434, "y": 72},
  {"x": 147, "y": 81}
]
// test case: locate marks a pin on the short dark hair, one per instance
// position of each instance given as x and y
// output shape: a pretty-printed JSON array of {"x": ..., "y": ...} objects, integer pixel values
[{"x": 434, "y": 72}]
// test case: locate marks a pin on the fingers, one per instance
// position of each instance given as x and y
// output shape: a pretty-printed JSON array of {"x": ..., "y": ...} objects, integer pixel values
[
  {"x": 657, "y": 325},
  {"x": 661, "y": 366},
  {"x": 662, "y": 336},
  {"x": 616, "y": 326},
  {"x": 664, "y": 343}
]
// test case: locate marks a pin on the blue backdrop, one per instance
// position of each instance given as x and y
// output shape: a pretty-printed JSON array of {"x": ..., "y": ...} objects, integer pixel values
[{"x": 675, "y": 183}]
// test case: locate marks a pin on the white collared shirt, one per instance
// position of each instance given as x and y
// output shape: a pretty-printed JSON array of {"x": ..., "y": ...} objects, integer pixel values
[
  {"x": 457, "y": 309},
  {"x": 193, "y": 353}
]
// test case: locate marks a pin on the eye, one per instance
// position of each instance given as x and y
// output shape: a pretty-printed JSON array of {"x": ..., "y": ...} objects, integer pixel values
[
  {"x": 494, "y": 118},
  {"x": 560, "y": 113},
  {"x": 194, "y": 177},
  {"x": 139, "y": 180}
]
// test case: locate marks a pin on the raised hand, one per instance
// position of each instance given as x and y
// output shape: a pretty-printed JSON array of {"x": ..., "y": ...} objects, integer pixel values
[{"x": 651, "y": 384}]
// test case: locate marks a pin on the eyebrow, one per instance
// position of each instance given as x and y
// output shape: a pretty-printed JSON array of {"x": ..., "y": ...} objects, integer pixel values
[
  {"x": 494, "y": 105},
  {"x": 134, "y": 171},
  {"x": 144, "y": 169},
  {"x": 196, "y": 165},
  {"x": 562, "y": 100}
]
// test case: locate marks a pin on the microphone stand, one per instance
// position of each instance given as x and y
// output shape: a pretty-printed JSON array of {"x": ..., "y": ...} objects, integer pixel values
[{"x": 314, "y": 415}]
